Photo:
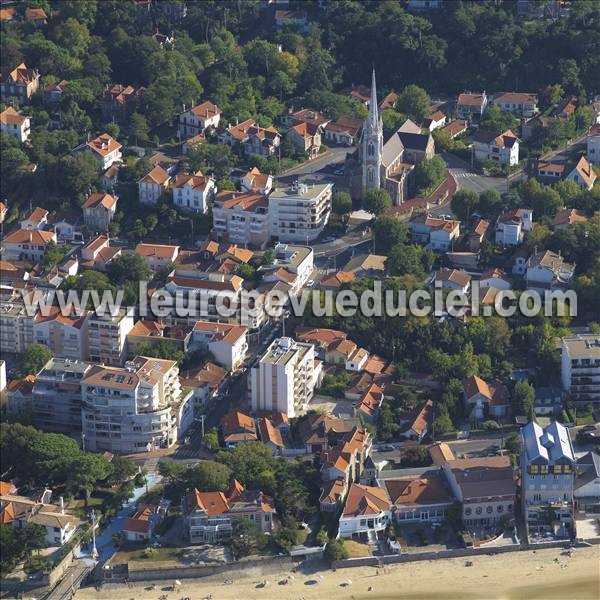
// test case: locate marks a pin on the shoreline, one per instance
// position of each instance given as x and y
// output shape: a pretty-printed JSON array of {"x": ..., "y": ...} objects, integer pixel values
[{"x": 524, "y": 575}]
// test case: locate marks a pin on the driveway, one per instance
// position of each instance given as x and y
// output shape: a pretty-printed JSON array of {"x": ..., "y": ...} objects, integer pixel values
[
  {"x": 322, "y": 165},
  {"x": 468, "y": 179}
]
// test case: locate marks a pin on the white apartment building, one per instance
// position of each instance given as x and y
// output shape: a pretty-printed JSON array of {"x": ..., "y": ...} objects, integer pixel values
[
  {"x": 293, "y": 265},
  {"x": 193, "y": 191},
  {"x": 56, "y": 395},
  {"x": 199, "y": 118},
  {"x": 299, "y": 213},
  {"x": 66, "y": 336},
  {"x": 283, "y": 380},
  {"x": 137, "y": 408},
  {"x": 16, "y": 326},
  {"x": 153, "y": 185},
  {"x": 242, "y": 218},
  {"x": 547, "y": 475},
  {"x": 580, "y": 368},
  {"x": 367, "y": 511},
  {"x": 107, "y": 336},
  {"x": 502, "y": 148},
  {"x": 227, "y": 343},
  {"x": 15, "y": 125}
]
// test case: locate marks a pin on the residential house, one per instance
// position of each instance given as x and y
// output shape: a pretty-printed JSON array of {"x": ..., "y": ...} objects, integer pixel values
[
  {"x": 3, "y": 212},
  {"x": 104, "y": 149},
  {"x": 252, "y": 138},
  {"x": 192, "y": 143},
  {"x": 494, "y": 278},
  {"x": 452, "y": 279},
  {"x": 255, "y": 181},
  {"x": 324, "y": 340},
  {"x": 436, "y": 121},
  {"x": 333, "y": 494},
  {"x": 580, "y": 369},
  {"x": 227, "y": 343},
  {"x": 476, "y": 237},
  {"x": 568, "y": 217},
  {"x": 362, "y": 93},
  {"x": 242, "y": 218},
  {"x": 486, "y": 489},
  {"x": 118, "y": 101},
  {"x": 566, "y": 107},
  {"x": 14, "y": 124},
  {"x": 66, "y": 336},
  {"x": 157, "y": 256},
  {"x": 109, "y": 179},
  {"x": 139, "y": 527},
  {"x": 209, "y": 517},
  {"x": 206, "y": 383},
  {"x": 440, "y": 453},
  {"x": 417, "y": 423},
  {"x": 193, "y": 191},
  {"x": 304, "y": 115},
  {"x": 342, "y": 132},
  {"x": 153, "y": 185},
  {"x": 318, "y": 432},
  {"x": 27, "y": 244},
  {"x": 21, "y": 511},
  {"x": 367, "y": 265},
  {"x": 455, "y": 128},
  {"x": 68, "y": 225},
  {"x": 151, "y": 332},
  {"x": 198, "y": 119},
  {"x": 19, "y": 395},
  {"x": 283, "y": 379},
  {"x": 98, "y": 253},
  {"x": 435, "y": 233},
  {"x": 16, "y": 323},
  {"x": 366, "y": 513},
  {"x": 270, "y": 436},
  {"x": 580, "y": 172},
  {"x": 502, "y": 148},
  {"x": 471, "y": 105},
  {"x": 237, "y": 427},
  {"x": 422, "y": 499},
  {"x": 37, "y": 16},
  {"x": 548, "y": 401},
  {"x": 519, "y": 103},
  {"x": 547, "y": 465},
  {"x": 164, "y": 40},
  {"x": 138, "y": 408},
  {"x": 388, "y": 102},
  {"x": 534, "y": 128},
  {"x": 336, "y": 280},
  {"x": 547, "y": 271},
  {"x": 512, "y": 225},
  {"x": 586, "y": 489},
  {"x": 53, "y": 91},
  {"x": 8, "y": 15},
  {"x": 35, "y": 219},
  {"x": 483, "y": 399},
  {"x": 306, "y": 138},
  {"x": 20, "y": 82},
  {"x": 593, "y": 145},
  {"x": 369, "y": 403},
  {"x": 99, "y": 210}
]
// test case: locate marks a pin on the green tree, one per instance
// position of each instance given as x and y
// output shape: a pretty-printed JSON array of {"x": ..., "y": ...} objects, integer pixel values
[
  {"x": 32, "y": 537},
  {"x": 336, "y": 550},
  {"x": 172, "y": 471},
  {"x": 496, "y": 119},
  {"x": 250, "y": 462},
  {"x": 79, "y": 174},
  {"x": 211, "y": 438},
  {"x": 377, "y": 201},
  {"x": 287, "y": 537},
  {"x": 414, "y": 102},
  {"x": 523, "y": 397},
  {"x": 246, "y": 271},
  {"x": 34, "y": 358},
  {"x": 247, "y": 538},
  {"x": 341, "y": 203},
  {"x": 163, "y": 349},
  {"x": 490, "y": 203},
  {"x": 464, "y": 204},
  {"x": 405, "y": 259},
  {"x": 52, "y": 255},
  {"x": 138, "y": 128},
  {"x": 388, "y": 232},
  {"x": 428, "y": 174},
  {"x": 209, "y": 476},
  {"x": 85, "y": 472},
  {"x": 128, "y": 267}
]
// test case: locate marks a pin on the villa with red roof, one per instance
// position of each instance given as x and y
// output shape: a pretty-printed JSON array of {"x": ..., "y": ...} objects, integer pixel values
[{"x": 368, "y": 511}]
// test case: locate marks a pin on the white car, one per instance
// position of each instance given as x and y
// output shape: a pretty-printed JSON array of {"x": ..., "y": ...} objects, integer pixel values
[{"x": 310, "y": 283}]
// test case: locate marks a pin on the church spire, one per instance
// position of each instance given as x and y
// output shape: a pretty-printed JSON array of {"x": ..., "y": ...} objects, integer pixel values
[{"x": 373, "y": 109}]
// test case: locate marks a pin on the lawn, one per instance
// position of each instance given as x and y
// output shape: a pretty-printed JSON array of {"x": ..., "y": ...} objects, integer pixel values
[
  {"x": 587, "y": 420},
  {"x": 357, "y": 549},
  {"x": 157, "y": 556}
]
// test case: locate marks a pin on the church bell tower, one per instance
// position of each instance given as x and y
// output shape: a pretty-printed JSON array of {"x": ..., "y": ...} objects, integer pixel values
[{"x": 371, "y": 144}]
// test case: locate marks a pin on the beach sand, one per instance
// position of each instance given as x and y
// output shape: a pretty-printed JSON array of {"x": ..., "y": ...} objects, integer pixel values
[{"x": 512, "y": 576}]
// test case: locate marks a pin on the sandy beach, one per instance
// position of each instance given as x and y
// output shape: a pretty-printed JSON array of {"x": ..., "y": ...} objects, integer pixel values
[{"x": 514, "y": 576}]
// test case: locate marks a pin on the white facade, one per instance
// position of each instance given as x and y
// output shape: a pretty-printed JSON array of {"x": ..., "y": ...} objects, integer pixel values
[
  {"x": 193, "y": 192},
  {"x": 227, "y": 343},
  {"x": 134, "y": 409},
  {"x": 199, "y": 118},
  {"x": 16, "y": 327},
  {"x": 498, "y": 152},
  {"x": 593, "y": 146},
  {"x": 511, "y": 227},
  {"x": 67, "y": 337},
  {"x": 300, "y": 213},
  {"x": 15, "y": 125},
  {"x": 108, "y": 337},
  {"x": 580, "y": 368},
  {"x": 283, "y": 379}
]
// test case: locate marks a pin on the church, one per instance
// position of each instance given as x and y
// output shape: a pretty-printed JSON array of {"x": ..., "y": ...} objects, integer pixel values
[{"x": 376, "y": 164}]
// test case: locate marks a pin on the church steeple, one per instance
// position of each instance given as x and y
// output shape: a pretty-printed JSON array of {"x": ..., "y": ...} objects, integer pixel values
[
  {"x": 373, "y": 108},
  {"x": 371, "y": 144}
]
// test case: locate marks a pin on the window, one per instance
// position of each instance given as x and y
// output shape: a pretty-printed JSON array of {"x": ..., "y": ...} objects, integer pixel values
[
  {"x": 499, "y": 508},
  {"x": 467, "y": 511},
  {"x": 489, "y": 509},
  {"x": 479, "y": 510},
  {"x": 371, "y": 149}
]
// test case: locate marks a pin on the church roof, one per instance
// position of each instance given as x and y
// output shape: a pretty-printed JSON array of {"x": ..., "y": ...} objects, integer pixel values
[{"x": 392, "y": 149}]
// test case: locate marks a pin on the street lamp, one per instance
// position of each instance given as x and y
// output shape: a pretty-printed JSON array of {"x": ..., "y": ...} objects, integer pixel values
[
  {"x": 83, "y": 441},
  {"x": 94, "y": 549}
]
